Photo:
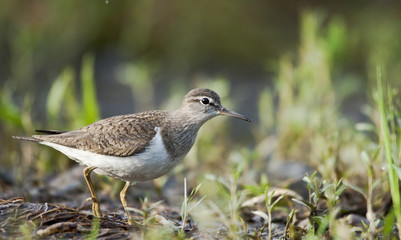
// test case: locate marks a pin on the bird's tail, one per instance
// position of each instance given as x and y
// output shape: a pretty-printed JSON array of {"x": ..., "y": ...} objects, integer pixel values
[
  {"x": 26, "y": 138},
  {"x": 33, "y": 139}
]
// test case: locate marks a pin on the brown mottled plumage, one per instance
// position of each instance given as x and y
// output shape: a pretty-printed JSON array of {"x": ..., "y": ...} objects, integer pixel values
[
  {"x": 137, "y": 147},
  {"x": 119, "y": 136}
]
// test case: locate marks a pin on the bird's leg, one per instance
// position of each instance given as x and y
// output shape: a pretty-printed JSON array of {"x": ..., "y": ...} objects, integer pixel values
[
  {"x": 123, "y": 194},
  {"x": 95, "y": 201}
]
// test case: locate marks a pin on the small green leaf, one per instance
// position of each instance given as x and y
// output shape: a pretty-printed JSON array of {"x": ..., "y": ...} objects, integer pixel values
[
  {"x": 313, "y": 175},
  {"x": 261, "y": 214},
  {"x": 268, "y": 197},
  {"x": 354, "y": 187},
  {"x": 364, "y": 224},
  {"x": 340, "y": 190},
  {"x": 324, "y": 189},
  {"x": 304, "y": 203},
  {"x": 309, "y": 184},
  {"x": 275, "y": 202},
  {"x": 194, "y": 191},
  {"x": 196, "y": 204},
  {"x": 291, "y": 214},
  {"x": 155, "y": 204}
]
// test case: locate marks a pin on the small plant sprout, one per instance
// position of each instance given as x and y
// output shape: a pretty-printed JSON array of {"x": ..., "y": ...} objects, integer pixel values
[
  {"x": 94, "y": 232},
  {"x": 270, "y": 204},
  {"x": 368, "y": 231},
  {"x": 314, "y": 185},
  {"x": 270, "y": 207},
  {"x": 333, "y": 192},
  {"x": 145, "y": 210},
  {"x": 288, "y": 223},
  {"x": 185, "y": 207},
  {"x": 321, "y": 189},
  {"x": 230, "y": 200},
  {"x": 372, "y": 184}
]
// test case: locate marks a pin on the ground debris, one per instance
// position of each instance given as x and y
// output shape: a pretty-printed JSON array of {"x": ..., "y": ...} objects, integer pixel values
[
  {"x": 57, "y": 227},
  {"x": 19, "y": 219}
]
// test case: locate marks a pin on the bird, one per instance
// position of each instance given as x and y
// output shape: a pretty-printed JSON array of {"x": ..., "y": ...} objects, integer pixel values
[{"x": 136, "y": 147}]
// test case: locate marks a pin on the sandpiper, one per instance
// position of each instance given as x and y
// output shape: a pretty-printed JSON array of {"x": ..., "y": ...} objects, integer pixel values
[{"x": 136, "y": 147}]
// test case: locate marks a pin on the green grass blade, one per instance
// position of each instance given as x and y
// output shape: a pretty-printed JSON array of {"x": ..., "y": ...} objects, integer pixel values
[
  {"x": 90, "y": 109},
  {"x": 9, "y": 112},
  {"x": 57, "y": 93},
  {"x": 393, "y": 178}
]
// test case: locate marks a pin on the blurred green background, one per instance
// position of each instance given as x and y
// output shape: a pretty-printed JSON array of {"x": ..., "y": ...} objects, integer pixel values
[
  {"x": 182, "y": 42},
  {"x": 301, "y": 70}
]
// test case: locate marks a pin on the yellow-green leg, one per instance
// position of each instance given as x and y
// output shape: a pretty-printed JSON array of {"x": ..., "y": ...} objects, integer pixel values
[
  {"x": 123, "y": 194},
  {"x": 95, "y": 201}
]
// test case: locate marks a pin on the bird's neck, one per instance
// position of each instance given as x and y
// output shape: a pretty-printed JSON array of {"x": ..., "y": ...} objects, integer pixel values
[
  {"x": 187, "y": 115},
  {"x": 181, "y": 133}
]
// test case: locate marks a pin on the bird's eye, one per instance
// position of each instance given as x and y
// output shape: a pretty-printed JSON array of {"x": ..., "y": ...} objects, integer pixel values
[{"x": 205, "y": 101}]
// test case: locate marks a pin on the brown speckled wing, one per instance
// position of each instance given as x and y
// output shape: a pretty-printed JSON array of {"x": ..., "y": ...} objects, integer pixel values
[{"x": 121, "y": 136}]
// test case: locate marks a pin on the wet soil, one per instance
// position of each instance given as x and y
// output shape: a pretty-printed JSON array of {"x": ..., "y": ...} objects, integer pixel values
[{"x": 69, "y": 215}]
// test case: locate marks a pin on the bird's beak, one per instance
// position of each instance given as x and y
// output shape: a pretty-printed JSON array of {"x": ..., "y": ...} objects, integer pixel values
[{"x": 225, "y": 111}]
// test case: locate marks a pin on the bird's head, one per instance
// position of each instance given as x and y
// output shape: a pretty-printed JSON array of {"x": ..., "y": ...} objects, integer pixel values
[{"x": 204, "y": 104}]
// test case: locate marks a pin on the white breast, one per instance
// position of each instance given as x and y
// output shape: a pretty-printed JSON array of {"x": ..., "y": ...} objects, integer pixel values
[{"x": 150, "y": 164}]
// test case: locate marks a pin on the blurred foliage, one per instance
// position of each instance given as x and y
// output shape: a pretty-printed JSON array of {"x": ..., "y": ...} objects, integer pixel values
[
  {"x": 308, "y": 121},
  {"x": 90, "y": 108},
  {"x": 40, "y": 38},
  {"x": 139, "y": 77},
  {"x": 63, "y": 105}
]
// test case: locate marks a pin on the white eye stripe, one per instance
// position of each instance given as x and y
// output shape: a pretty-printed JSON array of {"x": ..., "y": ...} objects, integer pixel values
[{"x": 203, "y": 100}]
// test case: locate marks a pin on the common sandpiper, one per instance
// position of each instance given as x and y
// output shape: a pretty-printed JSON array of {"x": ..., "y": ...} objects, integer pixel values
[{"x": 136, "y": 147}]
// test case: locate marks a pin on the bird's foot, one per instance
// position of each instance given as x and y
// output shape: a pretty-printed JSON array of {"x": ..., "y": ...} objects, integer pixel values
[{"x": 95, "y": 207}]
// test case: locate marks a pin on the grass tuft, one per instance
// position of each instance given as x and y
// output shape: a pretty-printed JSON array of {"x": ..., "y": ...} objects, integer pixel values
[{"x": 387, "y": 114}]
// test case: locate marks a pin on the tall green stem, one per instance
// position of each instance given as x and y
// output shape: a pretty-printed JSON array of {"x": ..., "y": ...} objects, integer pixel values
[{"x": 393, "y": 178}]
